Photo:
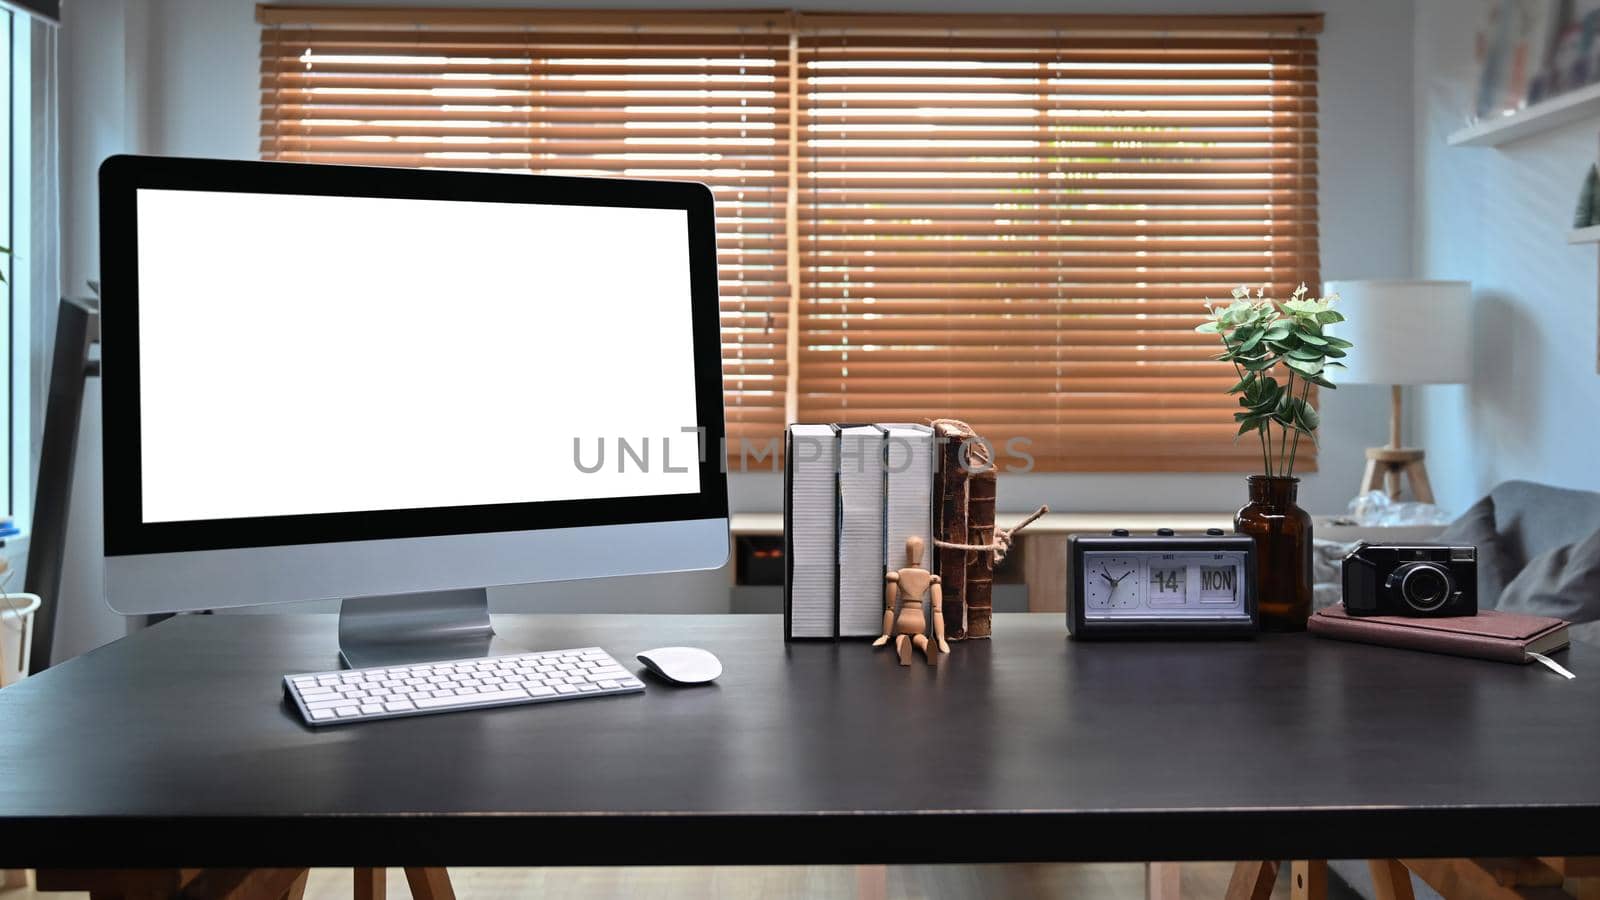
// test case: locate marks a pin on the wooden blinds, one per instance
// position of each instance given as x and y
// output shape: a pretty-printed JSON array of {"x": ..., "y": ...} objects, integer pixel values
[
  {"x": 1017, "y": 223},
  {"x": 701, "y": 98},
  {"x": 1008, "y": 219}
]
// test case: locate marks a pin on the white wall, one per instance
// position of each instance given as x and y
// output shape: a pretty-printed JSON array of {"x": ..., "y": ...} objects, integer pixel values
[
  {"x": 1499, "y": 218},
  {"x": 189, "y": 87}
]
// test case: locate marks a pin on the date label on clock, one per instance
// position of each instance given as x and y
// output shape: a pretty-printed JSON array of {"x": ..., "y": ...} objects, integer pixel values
[{"x": 1169, "y": 585}]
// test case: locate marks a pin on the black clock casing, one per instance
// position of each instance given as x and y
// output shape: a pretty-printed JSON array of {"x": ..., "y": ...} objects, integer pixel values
[{"x": 1161, "y": 585}]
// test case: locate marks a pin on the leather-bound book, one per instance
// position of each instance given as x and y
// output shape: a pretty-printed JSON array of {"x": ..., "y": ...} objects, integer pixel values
[
  {"x": 950, "y": 524},
  {"x": 979, "y": 594},
  {"x": 1506, "y": 637}
]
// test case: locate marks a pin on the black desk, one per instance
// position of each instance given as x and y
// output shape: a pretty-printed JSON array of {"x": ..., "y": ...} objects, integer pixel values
[{"x": 173, "y": 747}]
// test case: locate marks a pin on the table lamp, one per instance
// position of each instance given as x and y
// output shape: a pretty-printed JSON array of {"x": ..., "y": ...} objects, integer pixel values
[{"x": 1405, "y": 332}]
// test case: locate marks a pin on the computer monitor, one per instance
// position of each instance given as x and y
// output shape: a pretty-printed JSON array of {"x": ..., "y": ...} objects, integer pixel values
[{"x": 398, "y": 386}]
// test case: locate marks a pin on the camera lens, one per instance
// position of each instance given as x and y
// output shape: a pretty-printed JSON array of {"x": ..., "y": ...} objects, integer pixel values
[{"x": 1425, "y": 587}]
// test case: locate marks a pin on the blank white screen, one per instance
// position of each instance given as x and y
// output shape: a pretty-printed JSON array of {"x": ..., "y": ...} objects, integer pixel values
[{"x": 305, "y": 354}]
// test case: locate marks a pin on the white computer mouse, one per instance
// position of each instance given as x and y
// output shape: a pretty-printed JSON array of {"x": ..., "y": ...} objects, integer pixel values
[{"x": 682, "y": 665}]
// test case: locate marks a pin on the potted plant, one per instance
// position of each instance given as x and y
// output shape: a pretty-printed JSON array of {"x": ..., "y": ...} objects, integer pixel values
[{"x": 1279, "y": 351}]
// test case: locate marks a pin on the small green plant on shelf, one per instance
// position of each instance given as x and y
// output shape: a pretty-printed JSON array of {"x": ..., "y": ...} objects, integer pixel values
[{"x": 1265, "y": 339}]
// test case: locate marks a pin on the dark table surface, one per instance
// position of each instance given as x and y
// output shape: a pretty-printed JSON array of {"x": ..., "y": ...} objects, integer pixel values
[{"x": 175, "y": 747}]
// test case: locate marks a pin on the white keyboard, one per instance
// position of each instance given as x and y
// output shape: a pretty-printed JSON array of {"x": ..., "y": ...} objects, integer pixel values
[{"x": 388, "y": 692}]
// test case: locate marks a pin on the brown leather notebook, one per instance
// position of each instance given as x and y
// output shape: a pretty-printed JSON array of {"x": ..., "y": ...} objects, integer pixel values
[{"x": 1501, "y": 636}]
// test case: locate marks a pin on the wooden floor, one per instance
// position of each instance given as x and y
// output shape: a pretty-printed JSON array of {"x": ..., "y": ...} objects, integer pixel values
[{"x": 1114, "y": 881}]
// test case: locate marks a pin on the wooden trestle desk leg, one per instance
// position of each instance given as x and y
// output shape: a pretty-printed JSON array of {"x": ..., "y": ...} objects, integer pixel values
[
  {"x": 1252, "y": 880},
  {"x": 430, "y": 884},
  {"x": 247, "y": 884},
  {"x": 1582, "y": 874},
  {"x": 1390, "y": 880},
  {"x": 186, "y": 884},
  {"x": 371, "y": 884},
  {"x": 1163, "y": 881},
  {"x": 1308, "y": 879},
  {"x": 1490, "y": 878}
]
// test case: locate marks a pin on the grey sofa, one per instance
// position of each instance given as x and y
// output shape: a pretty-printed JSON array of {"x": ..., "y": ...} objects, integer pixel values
[{"x": 1538, "y": 552}]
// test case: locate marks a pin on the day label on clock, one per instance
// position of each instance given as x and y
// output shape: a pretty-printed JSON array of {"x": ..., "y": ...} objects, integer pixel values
[{"x": 1219, "y": 584}]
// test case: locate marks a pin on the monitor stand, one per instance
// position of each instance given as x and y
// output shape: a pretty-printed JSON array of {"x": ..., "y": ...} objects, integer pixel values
[{"x": 406, "y": 629}]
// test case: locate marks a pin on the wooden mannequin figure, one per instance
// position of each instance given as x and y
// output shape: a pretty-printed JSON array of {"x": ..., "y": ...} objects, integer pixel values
[{"x": 908, "y": 620}]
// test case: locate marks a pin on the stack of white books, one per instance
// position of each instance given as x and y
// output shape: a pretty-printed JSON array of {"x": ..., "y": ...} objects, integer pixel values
[{"x": 853, "y": 494}]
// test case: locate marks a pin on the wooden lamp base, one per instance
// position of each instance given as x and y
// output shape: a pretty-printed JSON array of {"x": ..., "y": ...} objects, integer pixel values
[{"x": 1386, "y": 466}]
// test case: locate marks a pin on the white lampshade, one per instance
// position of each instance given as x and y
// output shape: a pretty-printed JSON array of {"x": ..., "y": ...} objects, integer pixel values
[{"x": 1405, "y": 332}]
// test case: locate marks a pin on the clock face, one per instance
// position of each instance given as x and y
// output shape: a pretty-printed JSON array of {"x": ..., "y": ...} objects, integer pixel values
[
  {"x": 1182, "y": 585},
  {"x": 1112, "y": 582}
]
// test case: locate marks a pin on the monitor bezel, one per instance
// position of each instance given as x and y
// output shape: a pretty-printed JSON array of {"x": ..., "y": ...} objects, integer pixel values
[{"x": 126, "y": 532}]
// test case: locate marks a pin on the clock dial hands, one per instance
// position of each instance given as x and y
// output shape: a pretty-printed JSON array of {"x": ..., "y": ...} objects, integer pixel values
[{"x": 1113, "y": 580}]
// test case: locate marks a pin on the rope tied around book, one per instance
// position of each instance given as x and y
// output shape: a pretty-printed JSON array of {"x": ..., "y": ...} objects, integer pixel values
[
  {"x": 980, "y": 455},
  {"x": 1002, "y": 538}
]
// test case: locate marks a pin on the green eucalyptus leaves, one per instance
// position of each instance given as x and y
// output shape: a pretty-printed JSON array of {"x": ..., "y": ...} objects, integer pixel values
[{"x": 1266, "y": 339}]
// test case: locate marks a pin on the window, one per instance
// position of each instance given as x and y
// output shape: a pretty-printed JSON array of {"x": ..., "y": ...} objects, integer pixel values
[
  {"x": 17, "y": 189},
  {"x": 1014, "y": 220}
]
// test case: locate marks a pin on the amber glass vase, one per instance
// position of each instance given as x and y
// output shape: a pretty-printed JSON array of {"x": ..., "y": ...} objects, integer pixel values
[{"x": 1282, "y": 532}]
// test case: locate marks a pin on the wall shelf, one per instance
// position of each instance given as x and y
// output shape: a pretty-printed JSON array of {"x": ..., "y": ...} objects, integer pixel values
[
  {"x": 1590, "y": 235},
  {"x": 1557, "y": 111}
]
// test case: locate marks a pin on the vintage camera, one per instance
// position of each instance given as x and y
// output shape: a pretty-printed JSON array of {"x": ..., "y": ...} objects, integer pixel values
[{"x": 1411, "y": 580}]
